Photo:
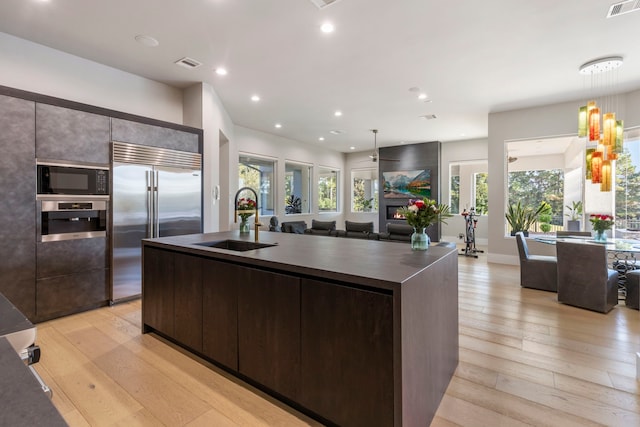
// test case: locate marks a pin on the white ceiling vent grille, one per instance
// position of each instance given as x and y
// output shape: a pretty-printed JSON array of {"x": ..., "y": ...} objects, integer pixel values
[
  {"x": 321, "y": 4},
  {"x": 428, "y": 116},
  {"x": 189, "y": 63},
  {"x": 623, "y": 7}
]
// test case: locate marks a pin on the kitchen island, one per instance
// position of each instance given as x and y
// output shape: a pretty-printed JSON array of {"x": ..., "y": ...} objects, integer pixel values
[{"x": 352, "y": 332}]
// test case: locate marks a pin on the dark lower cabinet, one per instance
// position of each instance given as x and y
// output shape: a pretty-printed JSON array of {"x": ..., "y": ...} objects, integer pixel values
[
  {"x": 158, "y": 290},
  {"x": 269, "y": 329},
  {"x": 61, "y": 295},
  {"x": 187, "y": 290},
  {"x": 220, "y": 312},
  {"x": 72, "y": 276},
  {"x": 347, "y": 354}
]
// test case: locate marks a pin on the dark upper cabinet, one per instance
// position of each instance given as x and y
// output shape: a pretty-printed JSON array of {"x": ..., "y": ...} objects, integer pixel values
[
  {"x": 18, "y": 207},
  {"x": 269, "y": 329},
  {"x": 154, "y": 136},
  {"x": 71, "y": 135}
]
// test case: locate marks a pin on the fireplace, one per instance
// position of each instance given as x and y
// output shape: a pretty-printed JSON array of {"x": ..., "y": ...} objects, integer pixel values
[{"x": 393, "y": 214}]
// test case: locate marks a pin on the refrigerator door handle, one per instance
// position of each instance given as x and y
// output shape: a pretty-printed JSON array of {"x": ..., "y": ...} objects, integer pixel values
[
  {"x": 149, "y": 179},
  {"x": 156, "y": 216}
]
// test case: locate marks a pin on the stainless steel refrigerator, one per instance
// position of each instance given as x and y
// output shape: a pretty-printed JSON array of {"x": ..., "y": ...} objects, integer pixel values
[{"x": 155, "y": 193}]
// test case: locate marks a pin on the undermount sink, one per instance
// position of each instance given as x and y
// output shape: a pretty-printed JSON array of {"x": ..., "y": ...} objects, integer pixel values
[{"x": 236, "y": 245}]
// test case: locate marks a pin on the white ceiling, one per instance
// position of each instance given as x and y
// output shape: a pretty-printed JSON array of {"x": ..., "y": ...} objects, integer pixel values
[{"x": 470, "y": 57}]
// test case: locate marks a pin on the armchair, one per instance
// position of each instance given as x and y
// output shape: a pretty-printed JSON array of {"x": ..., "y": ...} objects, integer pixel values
[
  {"x": 536, "y": 271},
  {"x": 584, "y": 280}
]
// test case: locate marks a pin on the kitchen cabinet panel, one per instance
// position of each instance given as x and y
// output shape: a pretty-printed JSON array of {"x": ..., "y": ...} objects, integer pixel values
[
  {"x": 158, "y": 289},
  {"x": 269, "y": 329},
  {"x": 220, "y": 312},
  {"x": 347, "y": 354},
  {"x": 71, "y": 135},
  {"x": 188, "y": 300},
  {"x": 18, "y": 208},
  {"x": 71, "y": 256},
  {"x": 62, "y": 295},
  {"x": 153, "y": 136}
]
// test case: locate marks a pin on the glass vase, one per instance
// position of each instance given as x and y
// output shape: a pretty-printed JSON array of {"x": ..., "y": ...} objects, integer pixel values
[
  {"x": 419, "y": 239},
  {"x": 600, "y": 236},
  {"x": 244, "y": 226}
]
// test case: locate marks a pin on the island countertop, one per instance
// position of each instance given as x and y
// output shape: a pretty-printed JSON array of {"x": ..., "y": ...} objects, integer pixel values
[{"x": 384, "y": 265}]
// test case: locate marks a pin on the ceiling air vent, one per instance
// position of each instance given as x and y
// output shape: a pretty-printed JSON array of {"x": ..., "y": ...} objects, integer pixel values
[
  {"x": 321, "y": 4},
  {"x": 428, "y": 116},
  {"x": 623, "y": 7},
  {"x": 189, "y": 63}
]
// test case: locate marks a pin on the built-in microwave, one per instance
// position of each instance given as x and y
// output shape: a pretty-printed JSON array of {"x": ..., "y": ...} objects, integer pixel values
[{"x": 69, "y": 179}]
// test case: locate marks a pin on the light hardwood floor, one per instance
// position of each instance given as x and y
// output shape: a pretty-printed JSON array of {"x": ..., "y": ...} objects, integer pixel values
[{"x": 524, "y": 360}]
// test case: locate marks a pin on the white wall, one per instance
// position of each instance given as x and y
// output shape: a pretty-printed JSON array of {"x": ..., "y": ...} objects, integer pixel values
[
  {"x": 203, "y": 109},
  {"x": 32, "y": 67},
  {"x": 261, "y": 144}
]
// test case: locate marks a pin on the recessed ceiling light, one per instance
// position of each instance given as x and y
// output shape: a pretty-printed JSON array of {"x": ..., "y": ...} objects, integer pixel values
[
  {"x": 278, "y": 125},
  {"x": 336, "y": 132},
  {"x": 321, "y": 138},
  {"x": 255, "y": 98},
  {"x": 147, "y": 40},
  {"x": 327, "y": 27},
  {"x": 352, "y": 148},
  {"x": 221, "y": 71},
  {"x": 422, "y": 96},
  {"x": 338, "y": 113},
  {"x": 601, "y": 65}
]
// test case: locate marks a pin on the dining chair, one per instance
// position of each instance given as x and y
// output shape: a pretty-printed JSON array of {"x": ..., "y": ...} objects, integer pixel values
[
  {"x": 584, "y": 279},
  {"x": 536, "y": 271}
]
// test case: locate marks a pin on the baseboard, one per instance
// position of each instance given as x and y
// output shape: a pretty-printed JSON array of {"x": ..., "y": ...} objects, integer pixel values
[{"x": 503, "y": 259}]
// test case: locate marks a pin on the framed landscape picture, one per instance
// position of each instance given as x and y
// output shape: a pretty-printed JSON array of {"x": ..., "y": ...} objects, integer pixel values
[{"x": 409, "y": 184}]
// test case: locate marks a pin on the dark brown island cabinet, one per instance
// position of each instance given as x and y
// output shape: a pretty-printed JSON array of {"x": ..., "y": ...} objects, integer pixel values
[{"x": 352, "y": 332}]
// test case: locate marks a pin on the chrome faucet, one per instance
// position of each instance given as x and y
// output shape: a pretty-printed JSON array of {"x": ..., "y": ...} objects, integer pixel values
[{"x": 235, "y": 216}]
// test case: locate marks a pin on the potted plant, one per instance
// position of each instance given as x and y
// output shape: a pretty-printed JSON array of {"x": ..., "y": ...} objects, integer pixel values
[
  {"x": 520, "y": 218},
  {"x": 574, "y": 214}
]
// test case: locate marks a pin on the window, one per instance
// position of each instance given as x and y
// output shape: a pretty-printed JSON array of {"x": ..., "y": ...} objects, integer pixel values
[
  {"x": 258, "y": 174},
  {"x": 547, "y": 170},
  {"x": 468, "y": 187},
  {"x": 297, "y": 188},
  {"x": 327, "y": 189},
  {"x": 364, "y": 190},
  {"x": 627, "y": 188},
  {"x": 481, "y": 193}
]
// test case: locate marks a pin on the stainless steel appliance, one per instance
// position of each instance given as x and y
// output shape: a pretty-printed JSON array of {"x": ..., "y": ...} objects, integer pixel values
[
  {"x": 156, "y": 193},
  {"x": 72, "y": 179},
  {"x": 72, "y": 219}
]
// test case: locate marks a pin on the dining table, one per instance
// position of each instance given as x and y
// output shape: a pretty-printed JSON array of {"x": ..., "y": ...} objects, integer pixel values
[{"x": 623, "y": 254}]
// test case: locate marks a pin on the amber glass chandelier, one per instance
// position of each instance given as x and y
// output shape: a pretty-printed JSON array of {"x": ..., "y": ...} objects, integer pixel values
[{"x": 607, "y": 138}]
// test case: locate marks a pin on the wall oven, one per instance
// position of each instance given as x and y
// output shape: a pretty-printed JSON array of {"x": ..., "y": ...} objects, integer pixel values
[
  {"x": 72, "y": 219},
  {"x": 72, "y": 179}
]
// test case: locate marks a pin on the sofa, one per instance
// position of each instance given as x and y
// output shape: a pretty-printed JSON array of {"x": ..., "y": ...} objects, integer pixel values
[{"x": 352, "y": 230}]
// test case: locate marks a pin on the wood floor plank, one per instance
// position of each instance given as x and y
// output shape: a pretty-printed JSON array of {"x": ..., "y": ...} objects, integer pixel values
[{"x": 568, "y": 402}]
